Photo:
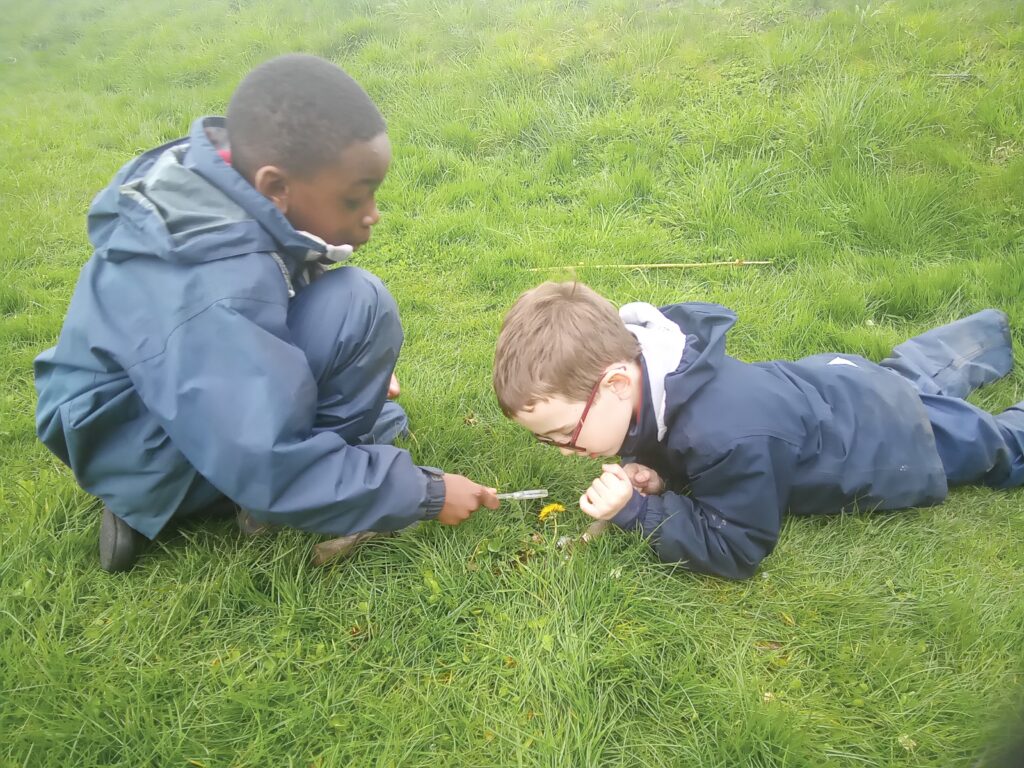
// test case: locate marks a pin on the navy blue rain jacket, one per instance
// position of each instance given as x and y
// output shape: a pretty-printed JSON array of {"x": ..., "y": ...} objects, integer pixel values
[
  {"x": 747, "y": 442},
  {"x": 175, "y": 365}
]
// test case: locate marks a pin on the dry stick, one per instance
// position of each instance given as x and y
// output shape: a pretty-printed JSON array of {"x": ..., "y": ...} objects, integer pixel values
[
  {"x": 691, "y": 265},
  {"x": 594, "y": 530}
]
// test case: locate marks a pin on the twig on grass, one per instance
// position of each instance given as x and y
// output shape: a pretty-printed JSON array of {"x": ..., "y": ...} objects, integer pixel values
[{"x": 670, "y": 265}]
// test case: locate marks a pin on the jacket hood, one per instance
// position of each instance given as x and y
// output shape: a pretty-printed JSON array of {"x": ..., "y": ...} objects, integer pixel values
[
  {"x": 183, "y": 203},
  {"x": 662, "y": 344},
  {"x": 706, "y": 326}
]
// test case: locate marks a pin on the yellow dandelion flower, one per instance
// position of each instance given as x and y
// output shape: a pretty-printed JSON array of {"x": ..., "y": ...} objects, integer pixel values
[{"x": 548, "y": 510}]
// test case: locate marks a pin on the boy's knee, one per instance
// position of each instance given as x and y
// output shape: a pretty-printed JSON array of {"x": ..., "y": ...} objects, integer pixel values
[
  {"x": 358, "y": 289},
  {"x": 349, "y": 301}
]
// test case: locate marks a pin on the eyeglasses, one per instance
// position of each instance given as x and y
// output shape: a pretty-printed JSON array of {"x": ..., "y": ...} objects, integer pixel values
[{"x": 571, "y": 444}]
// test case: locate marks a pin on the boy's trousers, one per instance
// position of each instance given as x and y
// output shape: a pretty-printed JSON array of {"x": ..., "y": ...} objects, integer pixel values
[
  {"x": 347, "y": 325},
  {"x": 946, "y": 364}
]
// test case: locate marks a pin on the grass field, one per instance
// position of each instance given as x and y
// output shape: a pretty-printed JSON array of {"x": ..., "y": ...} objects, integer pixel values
[{"x": 875, "y": 155}]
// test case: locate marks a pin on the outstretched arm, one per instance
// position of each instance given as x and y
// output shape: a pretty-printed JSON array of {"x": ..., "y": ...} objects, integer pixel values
[{"x": 238, "y": 399}]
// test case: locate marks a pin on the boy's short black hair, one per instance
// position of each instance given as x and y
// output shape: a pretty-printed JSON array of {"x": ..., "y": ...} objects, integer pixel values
[{"x": 297, "y": 112}]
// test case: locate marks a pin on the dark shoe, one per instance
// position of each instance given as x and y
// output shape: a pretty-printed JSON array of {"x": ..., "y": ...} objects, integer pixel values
[{"x": 120, "y": 544}]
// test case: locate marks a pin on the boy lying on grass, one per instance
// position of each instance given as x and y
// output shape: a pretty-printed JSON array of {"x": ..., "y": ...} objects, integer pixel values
[{"x": 717, "y": 450}]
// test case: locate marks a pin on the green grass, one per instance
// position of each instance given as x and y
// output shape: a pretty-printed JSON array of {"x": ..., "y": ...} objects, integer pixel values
[{"x": 823, "y": 136}]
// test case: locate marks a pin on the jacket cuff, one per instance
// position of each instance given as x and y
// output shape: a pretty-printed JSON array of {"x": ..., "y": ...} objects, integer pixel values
[
  {"x": 629, "y": 516},
  {"x": 433, "y": 501}
]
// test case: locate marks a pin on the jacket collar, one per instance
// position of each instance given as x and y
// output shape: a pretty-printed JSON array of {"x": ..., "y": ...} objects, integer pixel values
[
  {"x": 643, "y": 431},
  {"x": 206, "y": 137},
  {"x": 662, "y": 344}
]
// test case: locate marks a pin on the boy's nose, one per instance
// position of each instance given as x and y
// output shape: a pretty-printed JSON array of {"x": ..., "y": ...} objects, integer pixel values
[{"x": 372, "y": 218}]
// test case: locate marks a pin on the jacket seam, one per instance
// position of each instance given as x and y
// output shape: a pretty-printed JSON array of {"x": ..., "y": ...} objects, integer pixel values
[
  {"x": 724, "y": 447},
  {"x": 192, "y": 317}
]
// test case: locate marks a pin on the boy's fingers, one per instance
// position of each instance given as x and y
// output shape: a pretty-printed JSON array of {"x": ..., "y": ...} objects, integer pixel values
[
  {"x": 635, "y": 474},
  {"x": 616, "y": 470},
  {"x": 489, "y": 497},
  {"x": 613, "y": 481},
  {"x": 602, "y": 491},
  {"x": 640, "y": 476},
  {"x": 614, "y": 485},
  {"x": 594, "y": 497},
  {"x": 610, "y": 468},
  {"x": 587, "y": 507}
]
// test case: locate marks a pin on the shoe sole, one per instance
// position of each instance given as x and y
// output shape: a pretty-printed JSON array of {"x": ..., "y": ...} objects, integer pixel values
[{"x": 119, "y": 546}]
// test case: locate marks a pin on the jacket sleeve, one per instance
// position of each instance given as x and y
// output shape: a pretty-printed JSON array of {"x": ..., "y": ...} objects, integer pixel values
[
  {"x": 239, "y": 401},
  {"x": 730, "y": 519}
]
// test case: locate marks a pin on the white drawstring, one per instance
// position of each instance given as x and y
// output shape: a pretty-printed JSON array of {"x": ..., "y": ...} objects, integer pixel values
[{"x": 334, "y": 253}]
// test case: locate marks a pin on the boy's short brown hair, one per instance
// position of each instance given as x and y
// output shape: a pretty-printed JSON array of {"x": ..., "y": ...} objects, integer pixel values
[{"x": 557, "y": 339}]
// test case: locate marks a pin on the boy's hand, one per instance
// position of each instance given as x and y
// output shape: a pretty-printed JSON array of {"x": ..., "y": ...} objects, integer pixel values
[
  {"x": 393, "y": 389},
  {"x": 644, "y": 479},
  {"x": 608, "y": 494},
  {"x": 463, "y": 497}
]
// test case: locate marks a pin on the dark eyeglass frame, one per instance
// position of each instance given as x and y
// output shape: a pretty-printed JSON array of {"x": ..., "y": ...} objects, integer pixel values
[{"x": 571, "y": 443}]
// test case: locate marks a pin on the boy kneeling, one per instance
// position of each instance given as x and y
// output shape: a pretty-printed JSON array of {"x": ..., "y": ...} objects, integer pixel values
[{"x": 208, "y": 359}]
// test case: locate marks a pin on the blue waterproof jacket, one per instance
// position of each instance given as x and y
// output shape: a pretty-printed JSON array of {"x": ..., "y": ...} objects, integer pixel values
[
  {"x": 747, "y": 442},
  {"x": 174, "y": 370}
]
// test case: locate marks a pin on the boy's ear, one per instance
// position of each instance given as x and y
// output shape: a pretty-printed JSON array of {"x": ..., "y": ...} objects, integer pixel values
[
  {"x": 272, "y": 182},
  {"x": 620, "y": 382}
]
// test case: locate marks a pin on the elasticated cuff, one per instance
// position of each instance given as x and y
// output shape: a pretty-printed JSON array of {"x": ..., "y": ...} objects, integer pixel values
[
  {"x": 629, "y": 516},
  {"x": 434, "y": 499}
]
